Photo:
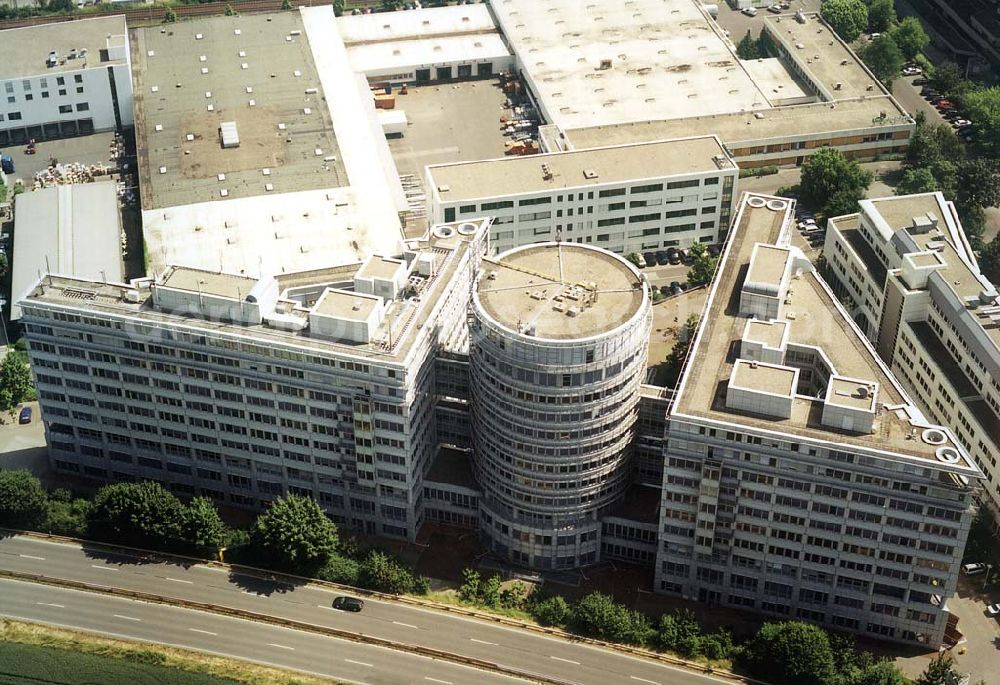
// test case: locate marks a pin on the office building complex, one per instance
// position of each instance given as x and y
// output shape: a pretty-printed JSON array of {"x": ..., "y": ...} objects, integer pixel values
[
  {"x": 64, "y": 79},
  {"x": 917, "y": 292},
  {"x": 319, "y": 383},
  {"x": 625, "y": 199},
  {"x": 559, "y": 340},
  {"x": 800, "y": 479}
]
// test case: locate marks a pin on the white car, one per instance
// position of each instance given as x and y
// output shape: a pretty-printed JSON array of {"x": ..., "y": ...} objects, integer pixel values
[
  {"x": 750, "y": 11},
  {"x": 807, "y": 224},
  {"x": 961, "y": 122},
  {"x": 973, "y": 569},
  {"x": 993, "y": 610},
  {"x": 912, "y": 71}
]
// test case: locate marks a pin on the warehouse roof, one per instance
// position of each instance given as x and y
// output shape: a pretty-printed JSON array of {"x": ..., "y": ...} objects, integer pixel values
[
  {"x": 616, "y": 62},
  {"x": 73, "y": 230},
  {"x": 381, "y": 27},
  {"x": 196, "y": 75},
  {"x": 24, "y": 51},
  {"x": 402, "y": 54},
  {"x": 592, "y": 167}
]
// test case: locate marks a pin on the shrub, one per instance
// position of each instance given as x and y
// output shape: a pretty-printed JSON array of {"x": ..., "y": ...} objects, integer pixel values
[
  {"x": 598, "y": 615},
  {"x": 294, "y": 534},
  {"x": 381, "y": 572},
  {"x": 551, "y": 611},
  {"x": 338, "y": 569},
  {"x": 23, "y": 501}
]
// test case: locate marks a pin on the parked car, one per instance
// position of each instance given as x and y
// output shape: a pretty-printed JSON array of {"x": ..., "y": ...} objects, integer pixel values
[
  {"x": 912, "y": 71},
  {"x": 675, "y": 258},
  {"x": 993, "y": 610},
  {"x": 873, "y": 36},
  {"x": 921, "y": 81},
  {"x": 348, "y": 604},
  {"x": 650, "y": 258},
  {"x": 973, "y": 569},
  {"x": 944, "y": 103},
  {"x": 961, "y": 123},
  {"x": 662, "y": 257},
  {"x": 685, "y": 255},
  {"x": 714, "y": 250},
  {"x": 777, "y": 9},
  {"x": 750, "y": 11},
  {"x": 665, "y": 290},
  {"x": 25, "y": 415}
]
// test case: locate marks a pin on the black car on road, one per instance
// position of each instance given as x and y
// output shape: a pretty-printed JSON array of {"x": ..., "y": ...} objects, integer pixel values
[{"x": 348, "y": 604}]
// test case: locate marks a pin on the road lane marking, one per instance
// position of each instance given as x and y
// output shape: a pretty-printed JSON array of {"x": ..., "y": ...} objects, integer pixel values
[
  {"x": 103, "y": 568},
  {"x": 47, "y": 604},
  {"x": 568, "y": 661},
  {"x": 406, "y": 625},
  {"x": 483, "y": 642},
  {"x": 31, "y": 556},
  {"x": 359, "y": 663},
  {"x": 127, "y": 618},
  {"x": 178, "y": 580},
  {"x": 643, "y": 680},
  {"x": 290, "y": 649},
  {"x": 435, "y": 680},
  {"x": 204, "y": 632}
]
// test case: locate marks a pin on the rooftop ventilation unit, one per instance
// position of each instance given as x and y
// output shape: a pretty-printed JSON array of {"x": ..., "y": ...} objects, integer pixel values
[{"x": 590, "y": 173}]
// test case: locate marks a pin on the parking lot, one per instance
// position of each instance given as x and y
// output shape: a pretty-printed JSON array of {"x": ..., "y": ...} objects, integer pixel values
[
  {"x": 23, "y": 446},
  {"x": 738, "y": 23}
]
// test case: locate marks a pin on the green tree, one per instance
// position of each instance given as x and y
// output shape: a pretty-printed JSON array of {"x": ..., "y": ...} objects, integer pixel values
[
  {"x": 717, "y": 645},
  {"x": 880, "y": 673},
  {"x": 978, "y": 182},
  {"x": 489, "y": 593},
  {"x": 940, "y": 671},
  {"x": 4, "y": 264},
  {"x": 169, "y": 17},
  {"x": 23, "y": 502},
  {"x": 983, "y": 107},
  {"x": 551, "y": 611},
  {"x": 635, "y": 258},
  {"x": 229, "y": 11},
  {"x": 381, "y": 572},
  {"x": 62, "y": 6},
  {"x": 66, "y": 515},
  {"x": 141, "y": 514},
  {"x": 881, "y": 15},
  {"x": 792, "y": 653},
  {"x": 847, "y": 17},
  {"x": 469, "y": 590},
  {"x": 884, "y": 58},
  {"x": 286, "y": 5},
  {"x": 15, "y": 381},
  {"x": 201, "y": 527},
  {"x": 910, "y": 37},
  {"x": 340, "y": 569},
  {"x": 669, "y": 371},
  {"x": 338, "y": 7},
  {"x": 931, "y": 144},
  {"x": 294, "y": 533},
  {"x": 702, "y": 265},
  {"x": 830, "y": 181},
  {"x": 748, "y": 47},
  {"x": 679, "y": 632},
  {"x": 916, "y": 180},
  {"x": 598, "y": 615},
  {"x": 514, "y": 595},
  {"x": 948, "y": 78}
]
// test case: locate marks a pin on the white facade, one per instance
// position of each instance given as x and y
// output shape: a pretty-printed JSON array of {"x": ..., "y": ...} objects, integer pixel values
[
  {"x": 918, "y": 293},
  {"x": 79, "y": 94},
  {"x": 555, "y": 397},
  {"x": 570, "y": 196}
]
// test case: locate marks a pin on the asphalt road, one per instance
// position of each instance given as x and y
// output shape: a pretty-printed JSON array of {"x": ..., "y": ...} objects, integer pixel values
[
  {"x": 524, "y": 650},
  {"x": 221, "y": 635}
]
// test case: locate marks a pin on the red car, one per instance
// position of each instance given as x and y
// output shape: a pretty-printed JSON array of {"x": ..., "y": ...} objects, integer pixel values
[{"x": 944, "y": 104}]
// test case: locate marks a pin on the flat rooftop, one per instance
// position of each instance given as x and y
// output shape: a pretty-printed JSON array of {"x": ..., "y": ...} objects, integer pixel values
[
  {"x": 619, "y": 62},
  {"x": 225, "y": 285},
  {"x": 387, "y": 27},
  {"x": 769, "y": 333},
  {"x": 830, "y": 63},
  {"x": 768, "y": 378},
  {"x": 346, "y": 305},
  {"x": 268, "y": 234},
  {"x": 74, "y": 230},
  {"x": 408, "y": 319},
  {"x": 816, "y": 320},
  {"x": 768, "y": 264},
  {"x": 24, "y": 51},
  {"x": 192, "y": 76},
  {"x": 534, "y": 288},
  {"x": 846, "y": 392},
  {"x": 739, "y": 128},
  {"x": 577, "y": 168}
]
